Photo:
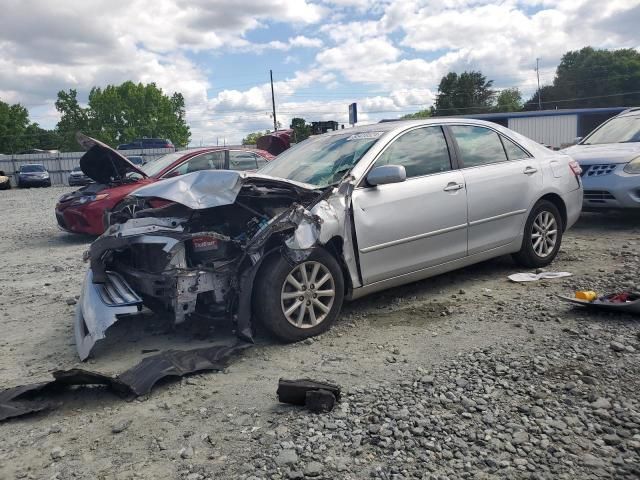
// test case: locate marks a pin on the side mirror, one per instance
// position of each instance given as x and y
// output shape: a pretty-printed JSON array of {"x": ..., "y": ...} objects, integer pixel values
[
  {"x": 577, "y": 140},
  {"x": 386, "y": 174}
]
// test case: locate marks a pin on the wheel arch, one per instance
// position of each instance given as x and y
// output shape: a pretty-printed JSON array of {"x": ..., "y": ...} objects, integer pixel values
[{"x": 560, "y": 205}]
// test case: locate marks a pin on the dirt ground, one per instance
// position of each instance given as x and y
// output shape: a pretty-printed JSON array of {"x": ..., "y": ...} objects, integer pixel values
[{"x": 211, "y": 419}]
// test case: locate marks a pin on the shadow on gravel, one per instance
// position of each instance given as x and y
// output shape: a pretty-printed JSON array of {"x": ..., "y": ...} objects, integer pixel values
[{"x": 608, "y": 221}]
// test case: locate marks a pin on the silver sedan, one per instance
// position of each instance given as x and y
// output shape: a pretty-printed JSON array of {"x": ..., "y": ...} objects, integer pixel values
[{"x": 338, "y": 216}]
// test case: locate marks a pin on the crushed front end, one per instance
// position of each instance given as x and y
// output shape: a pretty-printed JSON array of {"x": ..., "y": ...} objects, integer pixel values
[{"x": 195, "y": 258}]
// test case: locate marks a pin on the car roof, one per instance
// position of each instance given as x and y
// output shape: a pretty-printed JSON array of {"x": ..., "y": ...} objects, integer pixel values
[
  {"x": 404, "y": 124},
  {"x": 632, "y": 112},
  {"x": 32, "y": 165}
]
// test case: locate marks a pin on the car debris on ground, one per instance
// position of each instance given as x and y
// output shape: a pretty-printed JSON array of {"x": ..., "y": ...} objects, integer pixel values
[
  {"x": 134, "y": 382},
  {"x": 624, "y": 302},
  {"x": 533, "y": 277},
  {"x": 318, "y": 397}
]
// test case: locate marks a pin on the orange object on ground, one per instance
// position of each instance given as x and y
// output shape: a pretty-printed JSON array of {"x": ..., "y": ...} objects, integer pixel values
[{"x": 587, "y": 295}]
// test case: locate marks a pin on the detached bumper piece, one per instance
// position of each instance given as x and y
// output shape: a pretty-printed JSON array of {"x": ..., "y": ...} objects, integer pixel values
[
  {"x": 136, "y": 381},
  {"x": 100, "y": 306}
]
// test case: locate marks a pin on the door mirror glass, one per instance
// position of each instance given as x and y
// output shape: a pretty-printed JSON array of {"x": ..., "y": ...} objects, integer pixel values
[{"x": 386, "y": 174}]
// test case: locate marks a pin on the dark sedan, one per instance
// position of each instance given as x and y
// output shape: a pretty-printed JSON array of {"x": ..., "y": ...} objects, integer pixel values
[
  {"x": 77, "y": 178},
  {"x": 33, "y": 175}
]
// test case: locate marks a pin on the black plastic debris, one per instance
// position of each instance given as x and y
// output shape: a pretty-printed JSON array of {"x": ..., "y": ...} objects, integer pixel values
[
  {"x": 320, "y": 401},
  {"x": 623, "y": 302},
  {"x": 136, "y": 381},
  {"x": 318, "y": 397}
]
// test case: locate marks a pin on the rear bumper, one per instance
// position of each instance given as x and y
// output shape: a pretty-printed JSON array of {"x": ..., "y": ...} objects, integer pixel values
[
  {"x": 573, "y": 203},
  {"x": 615, "y": 190},
  {"x": 100, "y": 306}
]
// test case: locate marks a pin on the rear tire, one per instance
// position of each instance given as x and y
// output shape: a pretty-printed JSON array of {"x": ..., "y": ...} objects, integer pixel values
[
  {"x": 302, "y": 301},
  {"x": 542, "y": 236}
]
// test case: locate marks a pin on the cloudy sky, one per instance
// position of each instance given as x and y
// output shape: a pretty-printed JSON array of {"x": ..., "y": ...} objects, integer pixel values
[{"x": 387, "y": 55}]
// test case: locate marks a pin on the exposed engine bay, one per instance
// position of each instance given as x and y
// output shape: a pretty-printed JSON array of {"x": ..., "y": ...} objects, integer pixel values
[{"x": 197, "y": 253}]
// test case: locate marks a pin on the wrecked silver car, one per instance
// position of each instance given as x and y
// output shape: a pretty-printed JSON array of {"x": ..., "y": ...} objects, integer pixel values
[{"x": 339, "y": 215}]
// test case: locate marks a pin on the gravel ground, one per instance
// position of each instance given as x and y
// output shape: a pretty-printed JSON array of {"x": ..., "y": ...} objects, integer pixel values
[{"x": 461, "y": 376}]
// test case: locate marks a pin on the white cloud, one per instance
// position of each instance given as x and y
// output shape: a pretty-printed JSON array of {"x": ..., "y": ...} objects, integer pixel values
[{"x": 391, "y": 53}]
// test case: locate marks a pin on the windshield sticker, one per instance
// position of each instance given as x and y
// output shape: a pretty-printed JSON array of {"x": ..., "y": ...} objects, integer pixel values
[{"x": 365, "y": 135}]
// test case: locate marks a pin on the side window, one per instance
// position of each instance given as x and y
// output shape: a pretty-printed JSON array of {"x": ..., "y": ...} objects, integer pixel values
[
  {"x": 261, "y": 161},
  {"x": 478, "y": 145},
  {"x": 241, "y": 160},
  {"x": 422, "y": 151},
  {"x": 206, "y": 161},
  {"x": 514, "y": 152}
]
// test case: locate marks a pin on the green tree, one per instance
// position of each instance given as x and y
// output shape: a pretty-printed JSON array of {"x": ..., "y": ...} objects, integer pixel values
[
  {"x": 120, "y": 113},
  {"x": 73, "y": 118},
  {"x": 300, "y": 128},
  {"x": 14, "y": 120},
  {"x": 18, "y": 133},
  {"x": 252, "y": 138},
  {"x": 419, "y": 114},
  {"x": 469, "y": 92},
  {"x": 509, "y": 100},
  {"x": 592, "y": 78}
]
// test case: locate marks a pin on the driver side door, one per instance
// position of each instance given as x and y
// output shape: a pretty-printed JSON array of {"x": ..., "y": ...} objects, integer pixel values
[{"x": 416, "y": 224}]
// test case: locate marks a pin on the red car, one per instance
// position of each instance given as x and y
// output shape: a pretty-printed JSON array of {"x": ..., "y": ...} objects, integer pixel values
[{"x": 87, "y": 210}]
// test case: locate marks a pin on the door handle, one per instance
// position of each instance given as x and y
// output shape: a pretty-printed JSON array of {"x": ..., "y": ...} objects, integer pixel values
[
  {"x": 530, "y": 170},
  {"x": 452, "y": 187}
]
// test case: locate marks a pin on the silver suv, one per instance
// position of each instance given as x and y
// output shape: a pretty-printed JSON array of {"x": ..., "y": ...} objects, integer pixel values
[{"x": 610, "y": 161}]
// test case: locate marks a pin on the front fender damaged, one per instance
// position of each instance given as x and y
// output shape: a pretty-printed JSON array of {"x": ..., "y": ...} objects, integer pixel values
[{"x": 203, "y": 262}]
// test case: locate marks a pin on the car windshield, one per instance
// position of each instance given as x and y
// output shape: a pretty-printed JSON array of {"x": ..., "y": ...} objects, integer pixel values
[
  {"x": 618, "y": 130},
  {"x": 154, "y": 167},
  {"x": 322, "y": 160},
  {"x": 32, "y": 168}
]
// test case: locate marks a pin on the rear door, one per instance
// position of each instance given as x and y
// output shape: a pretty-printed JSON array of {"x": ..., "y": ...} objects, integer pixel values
[
  {"x": 502, "y": 181},
  {"x": 421, "y": 222}
]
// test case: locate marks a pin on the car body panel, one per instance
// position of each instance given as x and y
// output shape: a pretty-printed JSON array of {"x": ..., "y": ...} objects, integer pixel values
[
  {"x": 606, "y": 184},
  {"x": 499, "y": 198},
  {"x": 383, "y": 236},
  {"x": 388, "y": 245},
  {"x": 28, "y": 176},
  {"x": 89, "y": 217}
]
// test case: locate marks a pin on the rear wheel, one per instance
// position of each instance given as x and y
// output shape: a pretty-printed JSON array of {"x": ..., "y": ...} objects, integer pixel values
[
  {"x": 542, "y": 236},
  {"x": 300, "y": 301}
]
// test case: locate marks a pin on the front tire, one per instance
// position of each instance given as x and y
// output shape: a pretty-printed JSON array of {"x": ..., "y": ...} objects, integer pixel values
[
  {"x": 542, "y": 236},
  {"x": 300, "y": 301}
]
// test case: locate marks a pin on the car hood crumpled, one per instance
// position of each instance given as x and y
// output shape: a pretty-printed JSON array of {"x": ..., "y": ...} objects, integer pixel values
[
  {"x": 103, "y": 164},
  {"x": 604, "y": 153},
  {"x": 212, "y": 188}
]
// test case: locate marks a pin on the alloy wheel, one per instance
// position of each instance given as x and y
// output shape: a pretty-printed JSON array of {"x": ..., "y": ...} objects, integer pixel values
[
  {"x": 307, "y": 294},
  {"x": 544, "y": 234}
]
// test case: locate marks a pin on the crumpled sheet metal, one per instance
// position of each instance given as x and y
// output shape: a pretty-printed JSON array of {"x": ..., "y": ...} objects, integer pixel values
[
  {"x": 134, "y": 382},
  {"x": 197, "y": 190},
  {"x": 208, "y": 188}
]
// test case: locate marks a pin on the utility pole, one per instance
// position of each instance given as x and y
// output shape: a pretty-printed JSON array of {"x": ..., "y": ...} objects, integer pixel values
[
  {"x": 539, "y": 93},
  {"x": 273, "y": 103}
]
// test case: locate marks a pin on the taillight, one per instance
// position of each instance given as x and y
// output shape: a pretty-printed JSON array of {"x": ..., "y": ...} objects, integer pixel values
[{"x": 575, "y": 168}]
